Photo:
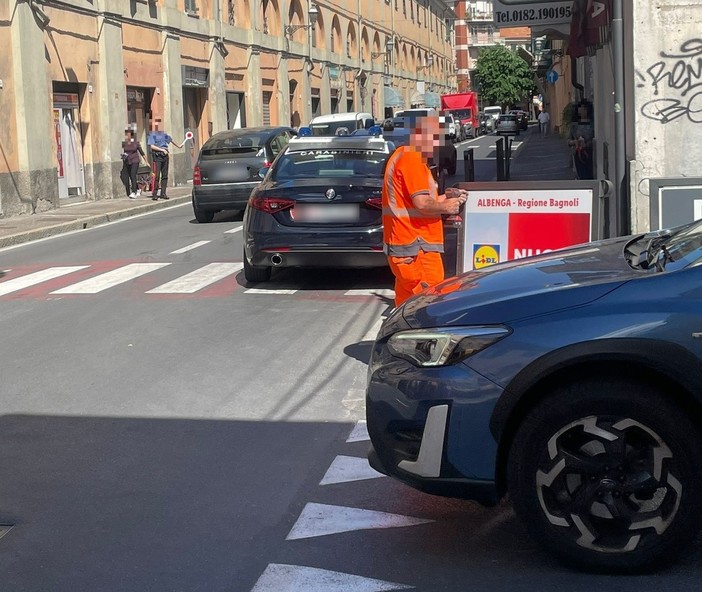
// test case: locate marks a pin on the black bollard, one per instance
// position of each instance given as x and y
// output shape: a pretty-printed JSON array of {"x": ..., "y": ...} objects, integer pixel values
[
  {"x": 468, "y": 166},
  {"x": 500, "y": 158}
]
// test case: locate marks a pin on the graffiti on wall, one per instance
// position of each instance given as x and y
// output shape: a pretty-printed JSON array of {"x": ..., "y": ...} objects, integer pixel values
[{"x": 676, "y": 81}]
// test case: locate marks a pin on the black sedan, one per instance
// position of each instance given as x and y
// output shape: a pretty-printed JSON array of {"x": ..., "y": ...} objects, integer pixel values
[
  {"x": 319, "y": 205},
  {"x": 228, "y": 166}
]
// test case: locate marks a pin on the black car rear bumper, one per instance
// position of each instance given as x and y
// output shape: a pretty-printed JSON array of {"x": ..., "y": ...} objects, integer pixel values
[
  {"x": 224, "y": 196},
  {"x": 318, "y": 257}
]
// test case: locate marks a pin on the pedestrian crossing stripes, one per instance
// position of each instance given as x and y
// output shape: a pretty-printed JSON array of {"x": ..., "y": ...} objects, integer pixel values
[
  {"x": 38, "y": 277},
  {"x": 111, "y": 278},
  {"x": 198, "y": 279},
  {"x": 191, "y": 279},
  {"x": 233, "y": 230}
]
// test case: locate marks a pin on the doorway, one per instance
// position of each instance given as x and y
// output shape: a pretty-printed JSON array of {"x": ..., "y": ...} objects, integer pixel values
[
  {"x": 194, "y": 100},
  {"x": 69, "y": 143},
  {"x": 236, "y": 110}
]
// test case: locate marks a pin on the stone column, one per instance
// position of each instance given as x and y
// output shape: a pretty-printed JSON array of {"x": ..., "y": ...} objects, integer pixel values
[
  {"x": 283, "y": 86},
  {"x": 172, "y": 92},
  {"x": 111, "y": 109},
  {"x": 254, "y": 92},
  {"x": 217, "y": 95},
  {"x": 35, "y": 186}
]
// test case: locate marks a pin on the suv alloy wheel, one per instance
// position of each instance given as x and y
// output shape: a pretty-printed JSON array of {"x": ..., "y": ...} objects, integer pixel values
[{"x": 605, "y": 473}]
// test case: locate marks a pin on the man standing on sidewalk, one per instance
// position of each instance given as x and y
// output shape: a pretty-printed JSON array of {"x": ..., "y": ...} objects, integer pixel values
[
  {"x": 158, "y": 143},
  {"x": 413, "y": 232},
  {"x": 544, "y": 119}
]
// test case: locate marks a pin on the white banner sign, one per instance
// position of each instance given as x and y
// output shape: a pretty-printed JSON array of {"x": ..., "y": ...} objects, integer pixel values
[{"x": 532, "y": 13}]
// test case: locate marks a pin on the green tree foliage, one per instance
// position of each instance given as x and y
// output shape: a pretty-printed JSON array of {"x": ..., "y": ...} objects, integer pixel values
[{"x": 503, "y": 77}]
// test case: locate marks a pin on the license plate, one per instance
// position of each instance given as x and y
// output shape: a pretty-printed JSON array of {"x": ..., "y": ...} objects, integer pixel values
[{"x": 325, "y": 213}]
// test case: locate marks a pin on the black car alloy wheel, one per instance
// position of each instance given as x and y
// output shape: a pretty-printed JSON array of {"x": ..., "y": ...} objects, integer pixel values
[{"x": 605, "y": 474}]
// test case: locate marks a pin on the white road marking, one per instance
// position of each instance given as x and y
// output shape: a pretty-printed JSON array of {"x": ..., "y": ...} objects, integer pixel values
[
  {"x": 190, "y": 247},
  {"x": 323, "y": 519},
  {"x": 37, "y": 277},
  {"x": 266, "y": 291},
  {"x": 372, "y": 333},
  {"x": 111, "y": 278},
  {"x": 345, "y": 469},
  {"x": 198, "y": 279},
  {"x": 359, "y": 433},
  {"x": 233, "y": 230},
  {"x": 371, "y": 292},
  {"x": 279, "y": 577}
]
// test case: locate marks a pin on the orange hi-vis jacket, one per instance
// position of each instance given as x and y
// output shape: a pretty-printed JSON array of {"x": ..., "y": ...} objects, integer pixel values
[{"x": 406, "y": 231}]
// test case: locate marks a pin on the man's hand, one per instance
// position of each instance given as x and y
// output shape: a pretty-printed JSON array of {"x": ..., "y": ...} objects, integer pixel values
[{"x": 452, "y": 205}]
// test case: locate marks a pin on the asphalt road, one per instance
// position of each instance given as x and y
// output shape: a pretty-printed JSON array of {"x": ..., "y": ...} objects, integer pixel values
[{"x": 166, "y": 428}]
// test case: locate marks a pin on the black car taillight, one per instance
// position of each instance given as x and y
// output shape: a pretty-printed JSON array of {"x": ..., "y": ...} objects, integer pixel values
[
  {"x": 197, "y": 176},
  {"x": 270, "y": 205},
  {"x": 375, "y": 202}
]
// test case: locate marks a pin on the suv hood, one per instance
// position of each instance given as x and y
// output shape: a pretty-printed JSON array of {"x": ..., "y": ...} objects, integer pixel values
[{"x": 524, "y": 288}]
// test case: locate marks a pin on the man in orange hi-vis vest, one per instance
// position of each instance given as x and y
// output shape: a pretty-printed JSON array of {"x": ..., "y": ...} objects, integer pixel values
[{"x": 413, "y": 231}]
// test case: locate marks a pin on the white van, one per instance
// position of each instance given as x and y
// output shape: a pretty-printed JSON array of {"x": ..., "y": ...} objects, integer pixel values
[
  {"x": 329, "y": 125},
  {"x": 494, "y": 111}
]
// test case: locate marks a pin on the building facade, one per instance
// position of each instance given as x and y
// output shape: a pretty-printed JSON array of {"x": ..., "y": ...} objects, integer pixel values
[
  {"x": 475, "y": 30},
  {"x": 79, "y": 71}
]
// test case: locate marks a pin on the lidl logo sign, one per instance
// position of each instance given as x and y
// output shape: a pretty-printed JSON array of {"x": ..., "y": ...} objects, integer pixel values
[{"x": 484, "y": 255}]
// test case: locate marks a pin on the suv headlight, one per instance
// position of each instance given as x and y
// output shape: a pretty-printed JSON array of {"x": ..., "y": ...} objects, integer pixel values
[{"x": 444, "y": 346}]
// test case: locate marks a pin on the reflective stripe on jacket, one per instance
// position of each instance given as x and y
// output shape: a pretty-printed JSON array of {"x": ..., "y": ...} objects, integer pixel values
[{"x": 406, "y": 230}]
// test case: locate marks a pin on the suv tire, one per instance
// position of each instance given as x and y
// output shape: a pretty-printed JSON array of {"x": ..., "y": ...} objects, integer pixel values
[
  {"x": 203, "y": 216},
  {"x": 605, "y": 473}
]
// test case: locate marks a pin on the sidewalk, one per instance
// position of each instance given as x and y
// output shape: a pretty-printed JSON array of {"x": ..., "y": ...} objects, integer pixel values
[
  {"x": 20, "y": 229},
  {"x": 541, "y": 158}
]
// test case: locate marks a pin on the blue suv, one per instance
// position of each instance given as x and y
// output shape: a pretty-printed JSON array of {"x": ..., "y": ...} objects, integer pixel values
[{"x": 571, "y": 381}]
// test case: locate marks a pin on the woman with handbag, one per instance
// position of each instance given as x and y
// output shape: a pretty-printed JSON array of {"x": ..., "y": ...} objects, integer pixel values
[{"x": 132, "y": 153}]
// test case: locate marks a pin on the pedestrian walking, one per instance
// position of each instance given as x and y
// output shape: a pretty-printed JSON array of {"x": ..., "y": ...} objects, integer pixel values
[
  {"x": 159, "y": 141},
  {"x": 544, "y": 119},
  {"x": 132, "y": 155},
  {"x": 413, "y": 233},
  {"x": 582, "y": 136}
]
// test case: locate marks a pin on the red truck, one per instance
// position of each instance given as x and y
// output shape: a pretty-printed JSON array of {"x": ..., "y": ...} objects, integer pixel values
[{"x": 464, "y": 108}]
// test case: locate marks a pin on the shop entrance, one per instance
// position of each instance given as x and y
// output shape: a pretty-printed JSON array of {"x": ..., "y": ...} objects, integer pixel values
[{"x": 69, "y": 144}]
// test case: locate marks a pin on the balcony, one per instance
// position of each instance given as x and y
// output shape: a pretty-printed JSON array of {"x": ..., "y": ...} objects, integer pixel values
[{"x": 486, "y": 39}]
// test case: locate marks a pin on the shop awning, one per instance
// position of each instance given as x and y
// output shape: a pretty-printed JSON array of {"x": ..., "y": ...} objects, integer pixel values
[
  {"x": 590, "y": 27},
  {"x": 392, "y": 97},
  {"x": 432, "y": 99}
]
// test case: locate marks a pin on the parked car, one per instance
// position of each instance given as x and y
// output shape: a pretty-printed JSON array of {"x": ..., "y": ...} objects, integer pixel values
[
  {"x": 454, "y": 133},
  {"x": 507, "y": 125},
  {"x": 571, "y": 381},
  {"x": 319, "y": 205},
  {"x": 487, "y": 123},
  {"x": 522, "y": 118},
  {"x": 227, "y": 168}
]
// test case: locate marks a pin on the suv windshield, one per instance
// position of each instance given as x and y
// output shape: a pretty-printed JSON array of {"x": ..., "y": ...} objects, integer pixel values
[
  {"x": 328, "y": 162},
  {"x": 461, "y": 113}
]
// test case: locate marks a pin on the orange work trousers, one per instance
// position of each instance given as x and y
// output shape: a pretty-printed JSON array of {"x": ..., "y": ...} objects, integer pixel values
[{"x": 414, "y": 274}]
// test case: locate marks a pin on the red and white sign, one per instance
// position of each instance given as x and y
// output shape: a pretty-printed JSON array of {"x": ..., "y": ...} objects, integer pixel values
[{"x": 515, "y": 223}]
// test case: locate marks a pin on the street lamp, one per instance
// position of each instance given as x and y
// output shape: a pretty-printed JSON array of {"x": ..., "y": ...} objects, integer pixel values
[
  {"x": 429, "y": 63},
  {"x": 389, "y": 46},
  {"x": 312, "y": 14}
]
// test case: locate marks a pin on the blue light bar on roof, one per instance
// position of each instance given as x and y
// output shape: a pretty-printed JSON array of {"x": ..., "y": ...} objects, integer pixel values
[
  {"x": 375, "y": 130},
  {"x": 304, "y": 132}
]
